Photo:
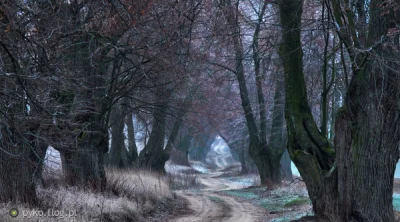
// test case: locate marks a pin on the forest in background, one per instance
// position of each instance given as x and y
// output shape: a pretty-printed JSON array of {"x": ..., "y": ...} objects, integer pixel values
[{"x": 313, "y": 82}]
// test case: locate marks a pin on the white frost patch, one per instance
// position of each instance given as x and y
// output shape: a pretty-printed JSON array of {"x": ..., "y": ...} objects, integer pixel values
[
  {"x": 245, "y": 181},
  {"x": 172, "y": 168},
  {"x": 199, "y": 166}
]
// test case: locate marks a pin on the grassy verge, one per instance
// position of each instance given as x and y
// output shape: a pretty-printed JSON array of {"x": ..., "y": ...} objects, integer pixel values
[
  {"x": 285, "y": 203},
  {"x": 297, "y": 202},
  {"x": 181, "y": 177},
  {"x": 130, "y": 195}
]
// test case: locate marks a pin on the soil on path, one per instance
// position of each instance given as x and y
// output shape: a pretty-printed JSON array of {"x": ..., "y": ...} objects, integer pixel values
[{"x": 207, "y": 205}]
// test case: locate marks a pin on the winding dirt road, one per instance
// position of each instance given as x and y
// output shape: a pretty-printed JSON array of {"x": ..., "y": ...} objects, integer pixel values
[{"x": 207, "y": 205}]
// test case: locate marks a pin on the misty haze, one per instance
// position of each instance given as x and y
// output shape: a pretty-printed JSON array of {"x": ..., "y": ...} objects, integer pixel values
[{"x": 199, "y": 110}]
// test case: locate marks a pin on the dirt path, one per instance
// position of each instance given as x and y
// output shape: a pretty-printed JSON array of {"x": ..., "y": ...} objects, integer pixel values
[{"x": 208, "y": 206}]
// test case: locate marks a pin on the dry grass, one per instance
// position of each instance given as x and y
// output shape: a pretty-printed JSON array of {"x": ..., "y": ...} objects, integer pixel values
[
  {"x": 183, "y": 181},
  {"x": 182, "y": 177},
  {"x": 130, "y": 196},
  {"x": 131, "y": 185}
]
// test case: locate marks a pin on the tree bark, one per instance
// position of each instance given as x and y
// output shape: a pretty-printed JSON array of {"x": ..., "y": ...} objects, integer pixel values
[
  {"x": 174, "y": 133},
  {"x": 367, "y": 132},
  {"x": 242, "y": 159},
  {"x": 118, "y": 155},
  {"x": 84, "y": 169},
  {"x": 83, "y": 163},
  {"x": 367, "y": 129},
  {"x": 183, "y": 147},
  {"x": 39, "y": 155},
  {"x": 18, "y": 163},
  {"x": 277, "y": 143},
  {"x": 153, "y": 156},
  {"x": 358, "y": 186},
  {"x": 264, "y": 159},
  {"x": 201, "y": 147},
  {"x": 308, "y": 148}
]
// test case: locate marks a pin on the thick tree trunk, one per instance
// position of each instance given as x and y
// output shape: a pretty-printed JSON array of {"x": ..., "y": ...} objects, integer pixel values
[
  {"x": 268, "y": 157},
  {"x": 118, "y": 155},
  {"x": 368, "y": 126},
  {"x": 83, "y": 160},
  {"x": 20, "y": 154},
  {"x": 84, "y": 169},
  {"x": 17, "y": 167},
  {"x": 258, "y": 149},
  {"x": 171, "y": 143},
  {"x": 242, "y": 160},
  {"x": 359, "y": 185},
  {"x": 153, "y": 156},
  {"x": 239, "y": 153},
  {"x": 201, "y": 147},
  {"x": 367, "y": 143},
  {"x": 184, "y": 146},
  {"x": 308, "y": 148},
  {"x": 273, "y": 172},
  {"x": 16, "y": 177},
  {"x": 39, "y": 154},
  {"x": 277, "y": 142},
  {"x": 179, "y": 119},
  {"x": 132, "y": 147},
  {"x": 83, "y": 163}
]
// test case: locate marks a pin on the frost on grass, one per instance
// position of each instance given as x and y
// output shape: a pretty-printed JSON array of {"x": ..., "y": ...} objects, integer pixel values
[
  {"x": 285, "y": 203},
  {"x": 244, "y": 181},
  {"x": 181, "y": 177},
  {"x": 130, "y": 196},
  {"x": 199, "y": 166}
]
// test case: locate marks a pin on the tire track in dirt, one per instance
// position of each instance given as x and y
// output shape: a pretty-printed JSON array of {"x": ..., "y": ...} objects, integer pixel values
[
  {"x": 204, "y": 208},
  {"x": 207, "y": 205}
]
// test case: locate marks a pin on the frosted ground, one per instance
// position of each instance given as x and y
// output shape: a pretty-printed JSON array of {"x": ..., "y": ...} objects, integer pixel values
[{"x": 219, "y": 154}]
